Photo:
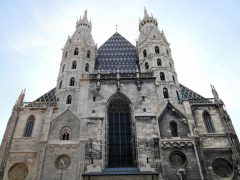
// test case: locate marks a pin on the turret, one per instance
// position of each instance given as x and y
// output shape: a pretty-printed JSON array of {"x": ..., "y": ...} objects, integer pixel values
[
  {"x": 78, "y": 59},
  {"x": 155, "y": 55}
]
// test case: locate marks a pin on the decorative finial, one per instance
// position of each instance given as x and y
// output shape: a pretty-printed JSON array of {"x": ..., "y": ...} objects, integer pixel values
[
  {"x": 85, "y": 15},
  {"x": 145, "y": 13},
  {"x": 116, "y": 27}
]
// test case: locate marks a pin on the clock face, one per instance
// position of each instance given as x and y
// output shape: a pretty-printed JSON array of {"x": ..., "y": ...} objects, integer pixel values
[{"x": 63, "y": 162}]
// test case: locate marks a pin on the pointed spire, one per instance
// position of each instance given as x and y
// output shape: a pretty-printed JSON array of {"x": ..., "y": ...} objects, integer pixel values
[
  {"x": 85, "y": 15},
  {"x": 145, "y": 13},
  {"x": 214, "y": 92}
]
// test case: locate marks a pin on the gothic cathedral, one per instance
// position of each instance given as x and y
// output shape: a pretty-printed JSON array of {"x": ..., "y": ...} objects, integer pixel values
[{"x": 118, "y": 112}]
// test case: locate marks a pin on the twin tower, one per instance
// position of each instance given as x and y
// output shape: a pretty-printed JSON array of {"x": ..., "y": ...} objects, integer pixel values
[{"x": 81, "y": 58}]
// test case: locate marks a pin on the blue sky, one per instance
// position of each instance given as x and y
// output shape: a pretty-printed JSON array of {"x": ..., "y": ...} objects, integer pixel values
[{"x": 204, "y": 37}]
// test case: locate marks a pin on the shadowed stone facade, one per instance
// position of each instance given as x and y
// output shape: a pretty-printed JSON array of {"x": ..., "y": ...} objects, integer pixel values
[{"x": 119, "y": 112}]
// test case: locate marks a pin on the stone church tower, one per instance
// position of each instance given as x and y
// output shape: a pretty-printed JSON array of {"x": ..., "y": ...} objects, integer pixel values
[{"x": 119, "y": 112}]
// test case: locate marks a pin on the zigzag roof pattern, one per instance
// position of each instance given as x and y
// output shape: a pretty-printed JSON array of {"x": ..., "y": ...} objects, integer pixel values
[{"x": 117, "y": 53}]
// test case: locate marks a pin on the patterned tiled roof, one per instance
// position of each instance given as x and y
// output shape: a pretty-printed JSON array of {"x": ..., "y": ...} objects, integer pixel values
[
  {"x": 189, "y": 94},
  {"x": 117, "y": 53},
  {"x": 47, "y": 97}
]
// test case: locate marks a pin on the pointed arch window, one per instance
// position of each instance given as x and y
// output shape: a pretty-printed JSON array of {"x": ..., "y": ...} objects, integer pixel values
[
  {"x": 162, "y": 76},
  {"x": 86, "y": 67},
  {"x": 157, "y": 50},
  {"x": 174, "y": 129},
  {"x": 208, "y": 122},
  {"x": 72, "y": 81},
  {"x": 63, "y": 67},
  {"x": 65, "y": 134},
  {"x": 121, "y": 146},
  {"x": 178, "y": 96},
  {"x": 74, "y": 64},
  {"x": 69, "y": 99},
  {"x": 167, "y": 52},
  {"x": 76, "y": 51},
  {"x": 60, "y": 85},
  {"x": 173, "y": 78},
  {"x": 88, "y": 54},
  {"x": 29, "y": 126},
  {"x": 146, "y": 65},
  {"x": 165, "y": 93},
  {"x": 159, "y": 62},
  {"x": 144, "y": 53}
]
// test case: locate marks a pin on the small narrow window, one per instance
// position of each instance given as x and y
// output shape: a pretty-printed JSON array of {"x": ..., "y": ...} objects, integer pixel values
[
  {"x": 162, "y": 76},
  {"x": 60, "y": 84},
  {"x": 87, "y": 67},
  {"x": 93, "y": 111},
  {"x": 76, "y": 51},
  {"x": 147, "y": 160},
  {"x": 63, "y": 67},
  {"x": 173, "y": 78},
  {"x": 143, "y": 98},
  {"x": 94, "y": 98},
  {"x": 91, "y": 160},
  {"x": 165, "y": 93},
  {"x": 74, "y": 64},
  {"x": 159, "y": 62},
  {"x": 144, "y": 109},
  {"x": 146, "y": 65},
  {"x": 156, "y": 49},
  {"x": 146, "y": 144},
  {"x": 178, "y": 96},
  {"x": 69, "y": 99},
  {"x": 167, "y": 52},
  {"x": 173, "y": 128},
  {"x": 170, "y": 64},
  {"x": 65, "y": 133},
  {"x": 65, "y": 54},
  {"x": 144, "y": 53},
  {"x": 88, "y": 54},
  {"x": 208, "y": 122},
  {"x": 29, "y": 126},
  {"x": 72, "y": 81}
]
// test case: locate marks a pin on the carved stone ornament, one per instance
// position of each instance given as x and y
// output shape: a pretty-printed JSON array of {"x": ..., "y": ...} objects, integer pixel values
[
  {"x": 18, "y": 171},
  {"x": 176, "y": 144},
  {"x": 62, "y": 162}
]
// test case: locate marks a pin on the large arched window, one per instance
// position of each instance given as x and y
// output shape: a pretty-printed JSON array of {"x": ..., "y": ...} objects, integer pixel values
[
  {"x": 159, "y": 62},
  {"x": 74, "y": 64},
  {"x": 65, "y": 133},
  {"x": 121, "y": 149},
  {"x": 144, "y": 53},
  {"x": 162, "y": 76},
  {"x": 165, "y": 93},
  {"x": 72, "y": 81},
  {"x": 88, "y": 54},
  {"x": 174, "y": 129},
  {"x": 208, "y": 122},
  {"x": 29, "y": 126},
  {"x": 146, "y": 65},
  {"x": 76, "y": 51},
  {"x": 69, "y": 99},
  {"x": 86, "y": 67},
  {"x": 156, "y": 49}
]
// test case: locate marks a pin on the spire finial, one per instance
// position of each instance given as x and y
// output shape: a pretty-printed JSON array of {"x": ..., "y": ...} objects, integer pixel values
[
  {"x": 116, "y": 27},
  {"x": 145, "y": 12},
  {"x": 85, "y": 15}
]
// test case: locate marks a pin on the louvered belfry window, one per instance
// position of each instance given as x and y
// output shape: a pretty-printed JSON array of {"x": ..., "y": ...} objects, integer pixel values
[{"x": 120, "y": 140}]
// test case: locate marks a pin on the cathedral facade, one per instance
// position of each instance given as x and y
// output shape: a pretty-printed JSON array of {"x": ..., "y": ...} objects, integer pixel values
[{"x": 118, "y": 112}]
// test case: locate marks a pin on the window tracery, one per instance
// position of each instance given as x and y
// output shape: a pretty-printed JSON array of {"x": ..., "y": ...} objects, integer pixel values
[
  {"x": 222, "y": 168},
  {"x": 208, "y": 122},
  {"x": 29, "y": 126},
  {"x": 65, "y": 133}
]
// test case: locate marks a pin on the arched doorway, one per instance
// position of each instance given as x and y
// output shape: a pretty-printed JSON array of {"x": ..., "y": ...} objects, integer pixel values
[{"x": 120, "y": 140}]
